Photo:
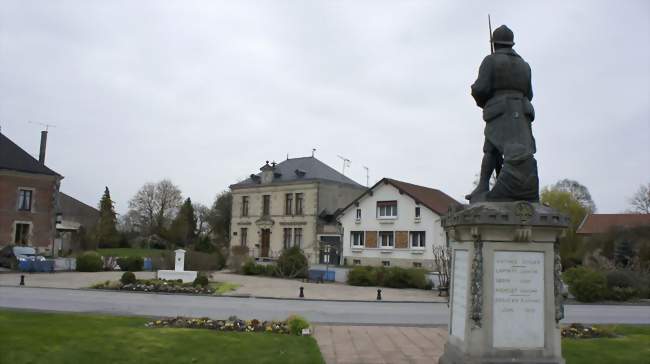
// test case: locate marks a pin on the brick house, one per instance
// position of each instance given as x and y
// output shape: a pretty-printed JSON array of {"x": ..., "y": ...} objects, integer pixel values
[
  {"x": 292, "y": 203},
  {"x": 28, "y": 197}
]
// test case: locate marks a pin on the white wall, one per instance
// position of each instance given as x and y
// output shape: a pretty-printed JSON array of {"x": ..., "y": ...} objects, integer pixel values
[{"x": 405, "y": 221}]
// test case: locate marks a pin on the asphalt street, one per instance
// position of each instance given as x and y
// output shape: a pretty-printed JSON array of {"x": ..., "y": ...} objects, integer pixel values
[{"x": 384, "y": 313}]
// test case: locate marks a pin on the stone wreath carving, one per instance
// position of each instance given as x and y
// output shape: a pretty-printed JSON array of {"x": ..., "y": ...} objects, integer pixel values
[
  {"x": 477, "y": 283},
  {"x": 557, "y": 268}
]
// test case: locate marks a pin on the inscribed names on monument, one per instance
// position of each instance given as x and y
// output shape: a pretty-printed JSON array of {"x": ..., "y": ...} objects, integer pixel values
[
  {"x": 459, "y": 294},
  {"x": 518, "y": 300}
]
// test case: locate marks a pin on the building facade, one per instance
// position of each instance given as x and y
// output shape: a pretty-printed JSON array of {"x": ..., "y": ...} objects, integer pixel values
[
  {"x": 394, "y": 224},
  {"x": 292, "y": 203},
  {"x": 74, "y": 220},
  {"x": 28, "y": 197}
]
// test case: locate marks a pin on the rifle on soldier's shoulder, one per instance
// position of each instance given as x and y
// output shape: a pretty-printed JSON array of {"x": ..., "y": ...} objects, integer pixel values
[{"x": 491, "y": 40}]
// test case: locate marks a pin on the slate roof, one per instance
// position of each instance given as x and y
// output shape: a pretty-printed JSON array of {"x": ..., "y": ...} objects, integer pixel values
[
  {"x": 601, "y": 223},
  {"x": 436, "y": 200},
  {"x": 14, "y": 158},
  {"x": 300, "y": 169}
]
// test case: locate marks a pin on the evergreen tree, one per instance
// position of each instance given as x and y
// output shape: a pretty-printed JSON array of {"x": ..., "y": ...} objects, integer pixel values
[
  {"x": 183, "y": 229},
  {"x": 106, "y": 230}
]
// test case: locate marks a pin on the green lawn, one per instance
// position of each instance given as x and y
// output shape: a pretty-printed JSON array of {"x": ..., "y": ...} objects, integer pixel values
[
  {"x": 632, "y": 348},
  {"x": 130, "y": 252},
  {"x": 223, "y": 287},
  {"x": 28, "y": 337}
]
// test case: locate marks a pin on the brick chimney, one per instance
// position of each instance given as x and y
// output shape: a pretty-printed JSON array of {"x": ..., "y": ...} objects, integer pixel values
[{"x": 41, "y": 153}]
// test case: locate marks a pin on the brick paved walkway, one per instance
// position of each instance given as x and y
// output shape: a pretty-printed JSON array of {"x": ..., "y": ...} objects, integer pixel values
[{"x": 380, "y": 344}]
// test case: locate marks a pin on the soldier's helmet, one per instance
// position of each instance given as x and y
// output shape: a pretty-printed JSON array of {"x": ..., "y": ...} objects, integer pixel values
[{"x": 503, "y": 35}]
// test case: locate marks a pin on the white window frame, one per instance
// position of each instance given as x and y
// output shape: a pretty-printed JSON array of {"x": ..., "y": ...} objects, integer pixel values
[
  {"x": 297, "y": 242},
  {"x": 422, "y": 239},
  {"x": 385, "y": 213},
  {"x": 358, "y": 215},
  {"x": 30, "y": 232},
  {"x": 383, "y": 263},
  {"x": 353, "y": 242},
  {"x": 381, "y": 236},
  {"x": 31, "y": 199}
]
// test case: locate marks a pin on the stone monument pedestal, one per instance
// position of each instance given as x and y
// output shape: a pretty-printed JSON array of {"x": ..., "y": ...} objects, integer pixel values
[
  {"x": 505, "y": 296},
  {"x": 179, "y": 271}
]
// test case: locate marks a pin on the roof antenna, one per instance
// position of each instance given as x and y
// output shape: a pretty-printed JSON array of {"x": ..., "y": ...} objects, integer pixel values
[
  {"x": 367, "y": 175},
  {"x": 313, "y": 151},
  {"x": 346, "y": 163},
  {"x": 47, "y": 126}
]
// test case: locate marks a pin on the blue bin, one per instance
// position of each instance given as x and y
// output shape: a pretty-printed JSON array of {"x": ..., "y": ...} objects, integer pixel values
[
  {"x": 25, "y": 265},
  {"x": 148, "y": 264},
  {"x": 318, "y": 275}
]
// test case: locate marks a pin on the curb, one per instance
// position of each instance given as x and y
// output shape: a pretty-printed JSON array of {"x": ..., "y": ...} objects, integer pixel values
[{"x": 240, "y": 296}]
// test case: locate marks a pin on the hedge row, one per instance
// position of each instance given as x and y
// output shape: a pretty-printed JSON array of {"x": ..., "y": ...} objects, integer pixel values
[
  {"x": 588, "y": 285},
  {"x": 394, "y": 277}
]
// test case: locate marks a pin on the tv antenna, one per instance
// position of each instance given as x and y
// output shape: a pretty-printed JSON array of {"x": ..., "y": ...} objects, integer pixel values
[
  {"x": 346, "y": 163},
  {"x": 367, "y": 176},
  {"x": 47, "y": 126}
]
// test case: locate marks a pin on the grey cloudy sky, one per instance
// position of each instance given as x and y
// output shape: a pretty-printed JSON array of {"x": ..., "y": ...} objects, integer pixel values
[{"x": 204, "y": 92}]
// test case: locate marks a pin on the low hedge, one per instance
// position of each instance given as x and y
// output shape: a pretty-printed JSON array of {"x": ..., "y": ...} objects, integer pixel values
[
  {"x": 586, "y": 285},
  {"x": 130, "y": 264},
  {"x": 394, "y": 277},
  {"x": 89, "y": 262}
]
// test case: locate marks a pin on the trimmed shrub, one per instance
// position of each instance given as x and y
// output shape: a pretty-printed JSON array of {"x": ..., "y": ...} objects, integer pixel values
[
  {"x": 586, "y": 285},
  {"x": 250, "y": 268},
  {"x": 201, "y": 280},
  {"x": 89, "y": 262},
  {"x": 362, "y": 276},
  {"x": 394, "y": 277},
  {"x": 128, "y": 278},
  {"x": 292, "y": 263},
  {"x": 296, "y": 324},
  {"x": 620, "y": 278},
  {"x": 130, "y": 264},
  {"x": 622, "y": 293}
]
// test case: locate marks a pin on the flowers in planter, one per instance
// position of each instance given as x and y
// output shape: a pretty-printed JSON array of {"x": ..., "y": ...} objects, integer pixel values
[
  {"x": 580, "y": 331},
  {"x": 231, "y": 324},
  {"x": 157, "y": 285}
]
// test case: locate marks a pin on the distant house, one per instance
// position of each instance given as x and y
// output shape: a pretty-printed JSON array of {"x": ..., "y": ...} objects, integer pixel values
[
  {"x": 291, "y": 203},
  {"x": 73, "y": 220},
  {"x": 28, "y": 197},
  {"x": 394, "y": 223},
  {"x": 594, "y": 224}
]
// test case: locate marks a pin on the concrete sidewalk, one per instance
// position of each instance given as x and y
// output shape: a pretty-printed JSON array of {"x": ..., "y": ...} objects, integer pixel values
[
  {"x": 380, "y": 344},
  {"x": 253, "y": 286}
]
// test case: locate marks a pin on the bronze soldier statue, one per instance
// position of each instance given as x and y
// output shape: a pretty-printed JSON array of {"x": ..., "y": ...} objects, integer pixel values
[{"x": 503, "y": 90}]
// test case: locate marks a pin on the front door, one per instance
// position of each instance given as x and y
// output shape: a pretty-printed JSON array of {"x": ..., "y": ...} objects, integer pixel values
[{"x": 266, "y": 242}]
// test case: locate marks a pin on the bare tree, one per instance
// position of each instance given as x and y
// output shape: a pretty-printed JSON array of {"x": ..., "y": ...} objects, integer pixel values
[
  {"x": 154, "y": 205},
  {"x": 441, "y": 255},
  {"x": 640, "y": 201},
  {"x": 202, "y": 214}
]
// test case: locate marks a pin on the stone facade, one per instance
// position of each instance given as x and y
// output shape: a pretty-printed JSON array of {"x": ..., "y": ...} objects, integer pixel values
[
  {"x": 40, "y": 217},
  {"x": 298, "y": 212}
]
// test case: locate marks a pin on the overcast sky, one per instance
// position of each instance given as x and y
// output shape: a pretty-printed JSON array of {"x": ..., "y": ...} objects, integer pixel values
[{"x": 204, "y": 92}]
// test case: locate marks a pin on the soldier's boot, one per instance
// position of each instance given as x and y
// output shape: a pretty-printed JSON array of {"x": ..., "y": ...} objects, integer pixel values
[{"x": 488, "y": 165}]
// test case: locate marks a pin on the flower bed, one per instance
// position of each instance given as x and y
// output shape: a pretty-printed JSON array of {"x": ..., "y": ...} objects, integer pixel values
[
  {"x": 232, "y": 324},
  {"x": 156, "y": 285},
  {"x": 580, "y": 331}
]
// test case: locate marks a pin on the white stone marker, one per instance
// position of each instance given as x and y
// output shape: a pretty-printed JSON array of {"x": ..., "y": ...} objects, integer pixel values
[{"x": 179, "y": 271}]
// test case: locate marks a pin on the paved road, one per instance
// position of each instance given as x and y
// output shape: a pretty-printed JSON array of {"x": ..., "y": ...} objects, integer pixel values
[{"x": 385, "y": 313}]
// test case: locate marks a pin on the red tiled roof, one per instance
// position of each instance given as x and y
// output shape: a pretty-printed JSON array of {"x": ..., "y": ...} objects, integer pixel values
[
  {"x": 601, "y": 223},
  {"x": 436, "y": 200},
  {"x": 433, "y": 199}
]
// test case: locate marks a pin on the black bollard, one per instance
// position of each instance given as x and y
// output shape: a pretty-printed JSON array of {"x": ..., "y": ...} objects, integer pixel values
[
  {"x": 379, "y": 295},
  {"x": 22, "y": 279},
  {"x": 302, "y": 294}
]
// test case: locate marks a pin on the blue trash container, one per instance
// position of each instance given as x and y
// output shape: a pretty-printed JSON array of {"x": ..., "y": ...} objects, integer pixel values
[
  {"x": 147, "y": 265},
  {"x": 25, "y": 265}
]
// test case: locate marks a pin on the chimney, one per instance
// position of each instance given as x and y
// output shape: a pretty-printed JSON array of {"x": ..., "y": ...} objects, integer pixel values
[{"x": 41, "y": 153}]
